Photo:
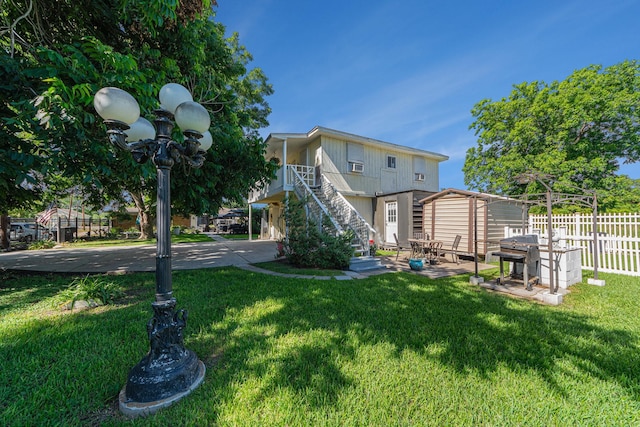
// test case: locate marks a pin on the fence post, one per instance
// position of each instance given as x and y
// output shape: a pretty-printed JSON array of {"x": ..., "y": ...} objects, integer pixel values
[{"x": 531, "y": 227}]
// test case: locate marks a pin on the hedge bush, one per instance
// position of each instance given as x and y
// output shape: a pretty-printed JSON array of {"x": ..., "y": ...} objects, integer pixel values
[{"x": 311, "y": 246}]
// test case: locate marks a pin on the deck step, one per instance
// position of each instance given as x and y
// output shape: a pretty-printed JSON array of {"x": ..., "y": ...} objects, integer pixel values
[{"x": 365, "y": 263}]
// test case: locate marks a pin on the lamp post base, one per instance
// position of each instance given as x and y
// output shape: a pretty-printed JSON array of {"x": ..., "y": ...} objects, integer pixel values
[
  {"x": 169, "y": 371},
  {"x": 134, "y": 409}
]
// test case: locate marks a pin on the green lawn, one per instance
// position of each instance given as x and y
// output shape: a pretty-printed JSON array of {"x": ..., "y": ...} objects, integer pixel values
[
  {"x": 282, "y": 266},
  {"x": 394, "y": 349},
  {"x": 254, "y": 236},
  {"x": 179, "y": 238}
]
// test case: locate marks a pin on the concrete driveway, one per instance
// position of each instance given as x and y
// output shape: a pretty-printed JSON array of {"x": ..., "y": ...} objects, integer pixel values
[{"x": 184, "y": 256}]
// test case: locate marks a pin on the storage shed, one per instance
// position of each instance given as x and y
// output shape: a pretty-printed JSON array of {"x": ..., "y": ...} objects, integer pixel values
[{"x": 451, "y": 212}]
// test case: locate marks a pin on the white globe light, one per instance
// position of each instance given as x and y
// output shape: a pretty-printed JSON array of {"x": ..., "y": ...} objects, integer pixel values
[
  {"x": 173, "y": 94},
  {"x": 112, "y": 103},
  {"x": 206, "y": 141},
  {"x": 192, "y": 116},
  {"x": 140, "y": 130}
]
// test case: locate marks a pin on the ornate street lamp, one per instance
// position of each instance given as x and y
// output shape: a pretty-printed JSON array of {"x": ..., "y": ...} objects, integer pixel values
[{"x": 169, "y": 371}]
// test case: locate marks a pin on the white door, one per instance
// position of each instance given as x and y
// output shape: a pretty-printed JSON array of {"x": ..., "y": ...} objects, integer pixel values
[{"x": 390, "y": 221}]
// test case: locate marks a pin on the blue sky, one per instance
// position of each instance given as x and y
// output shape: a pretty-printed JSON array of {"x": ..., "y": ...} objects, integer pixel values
[{"x": 409, "y": 72}]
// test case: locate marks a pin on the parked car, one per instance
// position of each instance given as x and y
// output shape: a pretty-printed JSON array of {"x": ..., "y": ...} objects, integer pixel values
[
  {"x": 238, "y": 229},
  {"x": 23, "y": 232}
]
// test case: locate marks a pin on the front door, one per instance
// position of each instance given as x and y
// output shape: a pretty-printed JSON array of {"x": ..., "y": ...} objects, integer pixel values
[{"x": 390, "y": 221}]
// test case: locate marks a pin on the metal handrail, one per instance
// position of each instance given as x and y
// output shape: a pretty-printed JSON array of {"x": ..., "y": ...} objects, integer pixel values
[
  {"x": 303, "y": 191},
  {"x": 344, "y": 209}
]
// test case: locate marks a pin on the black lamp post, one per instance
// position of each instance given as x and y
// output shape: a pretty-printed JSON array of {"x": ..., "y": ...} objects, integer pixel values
[{"x": 169, "y": 371}]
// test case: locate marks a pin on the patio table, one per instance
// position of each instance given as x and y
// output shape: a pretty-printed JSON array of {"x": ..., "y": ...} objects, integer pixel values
[{"x": 422, "y": 248}]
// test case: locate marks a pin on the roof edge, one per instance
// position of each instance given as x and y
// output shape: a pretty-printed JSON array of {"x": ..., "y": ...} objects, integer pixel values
[
  {"x": 468, "y": 193},
  {"x": 324, "y": 131}
]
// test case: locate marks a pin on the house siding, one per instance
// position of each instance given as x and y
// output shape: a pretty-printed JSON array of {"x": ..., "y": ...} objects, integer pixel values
[
  {"x": 335, "y": 165},
  {"x": 363, "y": 205}
]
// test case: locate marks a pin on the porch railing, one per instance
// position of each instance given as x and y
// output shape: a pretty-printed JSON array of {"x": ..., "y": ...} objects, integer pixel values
[{"x": 305, "y": 173}]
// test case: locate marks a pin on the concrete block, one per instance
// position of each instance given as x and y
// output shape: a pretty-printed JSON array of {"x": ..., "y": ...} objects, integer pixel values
[
  {"x": 553, "y": 299},
  {"x": 596, "y": 282},
  {"x": 476, "y": 280}
]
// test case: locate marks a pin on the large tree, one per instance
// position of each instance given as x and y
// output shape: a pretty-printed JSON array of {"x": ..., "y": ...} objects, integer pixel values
[
  {"x": 137, "y": 46},
  {"x": 577, "y": 131}
]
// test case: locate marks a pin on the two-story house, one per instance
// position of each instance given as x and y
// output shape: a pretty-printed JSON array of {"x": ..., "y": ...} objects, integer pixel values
[{"x": 369, "y": 186}]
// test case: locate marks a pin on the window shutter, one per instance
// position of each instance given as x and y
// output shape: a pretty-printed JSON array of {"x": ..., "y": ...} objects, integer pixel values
[
  {"x": 355, "y": 152},
  {"x": 419, "y": 165}
]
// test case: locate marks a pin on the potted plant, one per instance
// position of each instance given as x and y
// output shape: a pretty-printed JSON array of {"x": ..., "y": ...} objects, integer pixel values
[
  {"x": 372, "y": 248},
  {"x": 416, "y": 264}
]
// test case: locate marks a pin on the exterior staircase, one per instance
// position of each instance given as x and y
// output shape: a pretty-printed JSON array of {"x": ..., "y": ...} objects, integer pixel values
[{"x": 325, "y": 201}]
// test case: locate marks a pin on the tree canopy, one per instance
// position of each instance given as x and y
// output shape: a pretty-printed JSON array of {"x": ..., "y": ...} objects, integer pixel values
[
  {"x": 57, "y": 54},
  {"x": 577, "y": 131}
]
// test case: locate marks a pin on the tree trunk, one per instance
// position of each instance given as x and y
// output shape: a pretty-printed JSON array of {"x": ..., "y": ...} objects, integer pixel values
[
  {"x": 4, "y": 233},
  {"x": 146, "y": 220}
]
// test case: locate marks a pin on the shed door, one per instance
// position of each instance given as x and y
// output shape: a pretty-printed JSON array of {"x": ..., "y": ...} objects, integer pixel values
[{"x": 390, "y": 221}]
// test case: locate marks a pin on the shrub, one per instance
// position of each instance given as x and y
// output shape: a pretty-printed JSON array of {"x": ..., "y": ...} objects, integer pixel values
[
  {"x": 41, "y": 244},
  {"x": 311, "y": 246},
  {"x": 91, "y": 289}
]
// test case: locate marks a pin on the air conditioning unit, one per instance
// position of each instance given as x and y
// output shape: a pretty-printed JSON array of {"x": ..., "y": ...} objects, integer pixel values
[
  {"x": 356, "y": 167},
  {"x": 419, "y": 177}
]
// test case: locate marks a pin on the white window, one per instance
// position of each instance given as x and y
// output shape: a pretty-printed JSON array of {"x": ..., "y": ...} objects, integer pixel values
[
  {"x": 391, "y": 162},
  {"x": 419, "y": 176}
]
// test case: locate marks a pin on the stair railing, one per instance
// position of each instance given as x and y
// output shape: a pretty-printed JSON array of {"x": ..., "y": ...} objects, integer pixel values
[
  {"x": 347, "y": 215},
  {"x": 316, "y": 210}
]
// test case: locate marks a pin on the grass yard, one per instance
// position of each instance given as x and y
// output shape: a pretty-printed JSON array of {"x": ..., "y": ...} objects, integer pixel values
[
  {"x": 283, "y": 266},
  {"x": 179, "y": 238},
  {"x": 394, "y": 349},
  {"x": 254, "y": 236}
]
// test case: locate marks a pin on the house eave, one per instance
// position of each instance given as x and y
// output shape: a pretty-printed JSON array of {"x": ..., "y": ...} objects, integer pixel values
[{"x": 323, "y": 131}]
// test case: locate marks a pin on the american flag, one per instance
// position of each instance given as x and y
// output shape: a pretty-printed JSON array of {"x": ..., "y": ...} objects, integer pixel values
[{"x": 46, "y": 215}]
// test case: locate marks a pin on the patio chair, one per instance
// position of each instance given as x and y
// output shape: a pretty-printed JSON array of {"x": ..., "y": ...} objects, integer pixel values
[
  {"x": 434, "y": 252},
  {"x": 416, "y": 250},
  {"x": 453, "y": 250},
  {"x": 397, "y": 248}
]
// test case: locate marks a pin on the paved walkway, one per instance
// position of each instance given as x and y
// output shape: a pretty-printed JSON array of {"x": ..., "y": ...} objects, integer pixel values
[{"x": 139, "y": 258}]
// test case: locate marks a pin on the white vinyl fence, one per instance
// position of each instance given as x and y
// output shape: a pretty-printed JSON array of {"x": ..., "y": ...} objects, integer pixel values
[{"x": 618, "y": 239}]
